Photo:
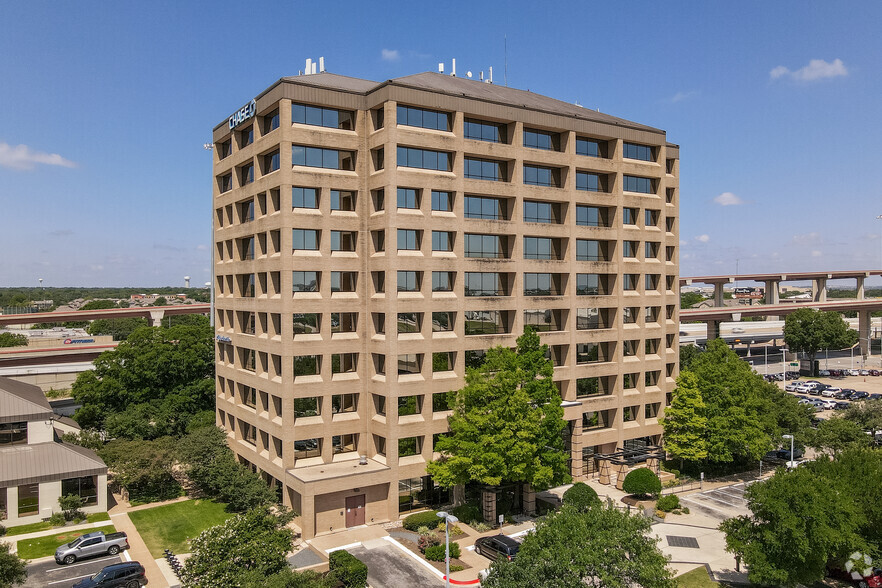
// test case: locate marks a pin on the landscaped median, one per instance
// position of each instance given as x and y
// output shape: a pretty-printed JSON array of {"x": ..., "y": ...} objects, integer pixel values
[
  {"x": 46, "y": 525},
  {"x": 46, "y": 545},
  {"x": 173, "y": 525}
]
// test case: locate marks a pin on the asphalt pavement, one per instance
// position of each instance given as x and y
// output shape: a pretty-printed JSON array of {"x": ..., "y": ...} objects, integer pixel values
[
  {"x": 389, "y": 567},
  {"x": 48, "y": 574}
]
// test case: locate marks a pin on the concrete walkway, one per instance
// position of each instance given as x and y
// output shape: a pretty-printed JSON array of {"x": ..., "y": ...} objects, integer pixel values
[
  {"x": 85, "y": 528},
  {"x": 138, "y": 549}
]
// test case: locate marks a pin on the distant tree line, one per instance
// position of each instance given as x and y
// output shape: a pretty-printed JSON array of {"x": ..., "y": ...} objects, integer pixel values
[{"x": 61, "y": 296}]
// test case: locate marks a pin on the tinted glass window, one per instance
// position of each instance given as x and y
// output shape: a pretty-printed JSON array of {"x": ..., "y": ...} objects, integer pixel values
[
  {"x": 421, "y": 117},
  {"x": 484, "y": 131}
]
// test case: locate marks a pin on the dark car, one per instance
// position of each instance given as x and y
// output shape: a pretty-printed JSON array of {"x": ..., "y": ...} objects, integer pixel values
[
  {"x": 497, "y": 546},
  {"x": 859, "y": 395},
  {"x": 845, "y": 394},
  {"x": 841, "y": 406},
  {"x": 122, "y": 575},
  {"x": 875, "y": 372},
  {"x": 874, "y": 397},
  {"x": 835, "y": 373},
  {"x": 785, "y": 454}
]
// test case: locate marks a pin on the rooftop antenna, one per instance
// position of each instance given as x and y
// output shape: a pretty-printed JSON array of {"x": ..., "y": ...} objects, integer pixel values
[
  {"x": 468, "y": 74},
  {"x": 322, "y": 64},
  {"x": 505, "y": 73},
  {"x": 308, "y": 65},
  {"x": 441, "y": 68},
  {"x": 490, "y": 81},
  {"x": 453, "y": 68}
]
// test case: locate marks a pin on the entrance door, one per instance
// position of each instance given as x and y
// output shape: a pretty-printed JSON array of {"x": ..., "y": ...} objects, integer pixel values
[{"x": 355, "y": 510}]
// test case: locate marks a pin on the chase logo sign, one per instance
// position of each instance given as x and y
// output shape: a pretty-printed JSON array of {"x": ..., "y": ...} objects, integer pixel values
[{"x": 243, "y": 114}]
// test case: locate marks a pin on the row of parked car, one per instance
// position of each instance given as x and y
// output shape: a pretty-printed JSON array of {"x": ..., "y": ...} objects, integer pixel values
[
  {"x": 781, "y": 377},
  {"x": 815, "y": 388},
  {"x": 852, "y": 372}
]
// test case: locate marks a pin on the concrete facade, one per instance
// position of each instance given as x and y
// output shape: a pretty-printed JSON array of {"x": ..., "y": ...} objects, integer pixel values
[{"x": 610, "y": 310}]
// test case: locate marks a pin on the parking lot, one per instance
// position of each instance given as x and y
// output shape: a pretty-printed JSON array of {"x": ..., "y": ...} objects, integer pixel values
[
  {"x": 53, "y": 575},
  {"x": 719, "y": 503},
  {"x": 871, "y": 385}
]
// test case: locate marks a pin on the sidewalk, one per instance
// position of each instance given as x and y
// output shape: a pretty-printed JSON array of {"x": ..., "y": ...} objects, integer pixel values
[
  {"x": 138, "y": 549},
  {"x": 13, "y": 540}
]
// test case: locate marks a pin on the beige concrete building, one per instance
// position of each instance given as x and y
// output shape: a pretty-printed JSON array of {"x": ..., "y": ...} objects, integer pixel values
[{"x": 373, "y": 239}]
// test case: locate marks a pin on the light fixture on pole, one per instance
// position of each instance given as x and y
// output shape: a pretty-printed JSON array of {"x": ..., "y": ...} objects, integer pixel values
[
  {"x": 791, "y": 463},
  {"x": 448, "y": 518}
]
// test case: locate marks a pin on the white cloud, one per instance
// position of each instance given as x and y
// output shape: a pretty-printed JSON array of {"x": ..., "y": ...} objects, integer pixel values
[
  {"x": 201, "y": 247},
  {"x": 728, "y": 199},
  {"x": 680, "y": 96},
  {"x": 807, "y": 239},
  {"x": 390, "y": 55},
  {"x": 23, "y": 157},
  {"x": 817, "y": 69},
  {"x": 816, "y": 253},
  {"x": 703, "y": 238}
]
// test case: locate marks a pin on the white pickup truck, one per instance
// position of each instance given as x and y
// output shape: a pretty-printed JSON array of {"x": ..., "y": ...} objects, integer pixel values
[{"x": 91, "y": 545}]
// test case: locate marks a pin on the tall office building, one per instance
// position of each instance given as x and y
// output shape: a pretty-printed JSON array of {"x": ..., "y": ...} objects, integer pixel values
[{"x": 372, "y": 240}]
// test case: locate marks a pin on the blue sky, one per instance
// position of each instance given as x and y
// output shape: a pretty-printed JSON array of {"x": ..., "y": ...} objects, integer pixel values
[{"x": 105, "y": 107}]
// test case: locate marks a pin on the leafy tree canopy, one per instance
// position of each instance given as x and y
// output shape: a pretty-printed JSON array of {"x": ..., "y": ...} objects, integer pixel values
[
  {"x": 690, "y": 299},
  {"x": 13, "y": 340},
  {"x": 144, "y": 468},
  {"x": 809, "y": 330},
  {"x": 247, "y": 545},
  {"x": 581, "y": 496},
  {"x": 575, "y": 548},
  {"x": 687, "y": 354},
  {"x": 867, "y": 415},
  {"x": 506, "y": 423},
  {"x": 151, "y": 385},
  {"x": 100, "y": 304},
  {"x": 685, "y": 423},
  {"x": 744, "y": 415},
  {"x": 837, "y": 434},
  {"x": 13, "y": 569},
  {"x": 800, "y": 521},
  {"x": 642, "y": 482},
  {"x": 119, "y": 328}
]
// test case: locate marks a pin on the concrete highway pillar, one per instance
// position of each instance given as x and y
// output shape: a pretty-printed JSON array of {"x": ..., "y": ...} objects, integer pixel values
[
  {"x": 864, "y": 331},
  {"x": 819, "y": 290},
  {"x": 157, "y": 316},
  {"x": 860, "y": 287},
  {"x": 718, "y": 294},
  {"x": 773, "y": 295},
  {"x": 713, "y": 330}
]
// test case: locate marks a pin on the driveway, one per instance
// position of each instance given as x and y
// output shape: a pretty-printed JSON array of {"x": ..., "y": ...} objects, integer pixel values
[
  {"x": 389, "y": 567},
  {"x": 721, "y": 503},
  {"x": 52, "y": 575}
]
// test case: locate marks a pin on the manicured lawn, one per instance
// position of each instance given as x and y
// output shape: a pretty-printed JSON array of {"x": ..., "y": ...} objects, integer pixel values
[
  {"x": 173, "y": 525},
  {"x": 44, "y": 525},
  {"x": 697, "y": 578},
  {"x": 45, "y": 546}
]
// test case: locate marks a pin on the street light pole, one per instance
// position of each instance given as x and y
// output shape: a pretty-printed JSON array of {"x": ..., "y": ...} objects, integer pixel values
[
  {"x": 791, "y": 461},
  {"x": 448, "y": 518}
]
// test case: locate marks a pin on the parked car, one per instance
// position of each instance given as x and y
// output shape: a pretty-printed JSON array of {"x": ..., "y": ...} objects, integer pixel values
[
  {"x": 129, "y": 574},
  {"x": 841, "y": 406},
  {"x": 804, "y": 400},
  {"x": 791, "y": 386},
  {"x": 497, "y": 547},
  {"x": 785, "y": 453},
  {"x": 844, "y": 395},
  {"x": 863, "y": 372},
  {"x": 874, "y": 397},
  {"x": 91, "y": 545},
  {"x": 830, "y": 392},
  {"x": 804, "y": 388},
  {"x": 875, "y": 372},
  {"x": 828, "y": 404},
  {"x": 859, "y": 395},
  {"x": 835, "y": 373},
  {"x": 854, "y": 372},
  {"x": 792, "y": 375},
  {"x": 824, "y": 373}
]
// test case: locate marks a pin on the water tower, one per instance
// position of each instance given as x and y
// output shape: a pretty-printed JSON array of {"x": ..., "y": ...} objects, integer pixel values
[{"x": 186, "y": 281}]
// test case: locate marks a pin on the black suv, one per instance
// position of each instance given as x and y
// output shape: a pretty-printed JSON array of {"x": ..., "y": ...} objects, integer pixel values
[
  {"x": 497, "y": 546},
  {"x": 121, "y": 575}
]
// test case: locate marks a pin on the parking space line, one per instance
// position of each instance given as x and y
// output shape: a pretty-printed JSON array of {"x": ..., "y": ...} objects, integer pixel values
[
  {"x": 85, "y": 563},
  {"x": 715, "y": 499},
  {"x": 68, "y": 579}
]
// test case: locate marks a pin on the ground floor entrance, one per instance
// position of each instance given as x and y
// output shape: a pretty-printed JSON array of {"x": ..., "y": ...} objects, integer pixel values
[{"x": 355, "y": 510}]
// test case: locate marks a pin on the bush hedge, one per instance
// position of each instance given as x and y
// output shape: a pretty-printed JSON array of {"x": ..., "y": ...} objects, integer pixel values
[
  {"x": 668, "y": 502},
  {"x": 468, "y": 513},
  {"x": 348, "y": 569},
  {"x": 436, "y": 552},
  {"x": 581, "y": 496},
  {"x": 642, "y": 482},
  {"x": 428, "y": 518}
]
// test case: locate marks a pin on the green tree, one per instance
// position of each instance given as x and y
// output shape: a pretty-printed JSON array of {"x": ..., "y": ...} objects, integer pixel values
[
  {"x": 690, "y": 299},
  {"x": 867, "y": 415},
  {"x": 13, "y": 569},
  {"x": 642, "y": 482},
  {"x": 745, "y": 415},
  {"x": 687, "y": 354},
  {"x": 150, "y": 385},
  {"x": 809, "y": 330},
  {"x": 119, "y": 328},
  {"x": 684, "y": 423},
  {"x": 247, "y": 545},
  {"x": 144, "y": 468},
  {"x": 286, "y": 578},
  {"x": 581, "y": 496},
  {"x": 99, "y": 305},
  {"x": 12, "y": 340},
  {"x": 70, "y": 505},
  {"x": 88, "y": 438},
  {"x": 507, "y": 422},
  {"x": 799, "y": 522},
  {"x": 211, "y": 465},
  {"x": 599, "y": 547},
  {"x": 837, "y": 434},
  {"x": 161, "y": 301}
]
